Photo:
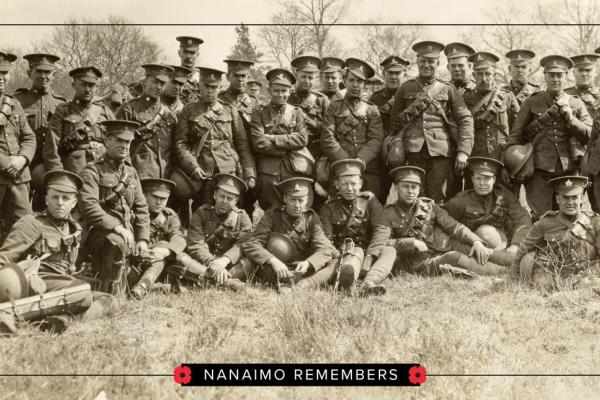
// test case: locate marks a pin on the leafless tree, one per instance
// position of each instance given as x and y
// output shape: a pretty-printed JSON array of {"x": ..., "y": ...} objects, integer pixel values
[{"x": 286, "y": 41}]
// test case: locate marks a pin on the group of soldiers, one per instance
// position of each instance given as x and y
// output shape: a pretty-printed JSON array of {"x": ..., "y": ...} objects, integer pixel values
[{"x": 111, "y": 180}]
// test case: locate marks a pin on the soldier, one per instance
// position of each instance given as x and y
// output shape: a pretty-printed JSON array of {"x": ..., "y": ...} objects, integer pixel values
[
  {"x": 189, "y": 47},
  {"x": 114, "y": 207},
  {"x": 215, "y": 231},
  {"x": 54, "y": 237},
  {"x": 488, "y": 206},
  {"x": 153, "y": 145},
  {"x": 211, "y": 138},
  {"x": 459, "y": 66},
  {"x": 519, "y": 69},
  {"x": 331, "y": 78},
  {"x": 357, "y": 217},
  {"x": 394, "y": 73},
  {"x": 309, "y": 247},
  {"x": 353, "y": 126},
  {"x": 563, "y": 243},
  {"x": 171, "y": 96},
  {"x": 312, "y": 103},
  {"x": 119, "y": 94},
  {"x": 548, "y": 120},
  {"x": 254, "y": 88},
  {"x": 76, "y": 136},
  {"x": 167, "y": 240},
  {"x": 435, "y": 126},
  {"x": 17, "y": 148},
  {"x": 427, "y": 238}
]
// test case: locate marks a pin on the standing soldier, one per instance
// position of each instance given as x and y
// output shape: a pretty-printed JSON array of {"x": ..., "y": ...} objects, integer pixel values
[
  {"x": 563, "y": 243},
  {"x": 331, "y": 77},
  {"x": 114, "y": 207},
  {"x": 434, "y": 124},
  {"x": 39, "y": 103},
  {"x": 17, "y": 148},
  {"x": 279, "y": 138},
  {"x": 353, "y": 126},
  {"x": 546, "y": 122},
  {"x": 519, "y": 69},
  {"x": 153, "y": 145},
  {"x": 189, "y": 47},
  {"x": 459, "y": 66},
  {"x": 295, "y": 228},
  {"x": 355, "y": 223},
  {"x": 254, "y": 88},
  {"x": 171, "y": 96},
  {"x": 76, "y": 136},
  {"x": 211, "y": 138}
]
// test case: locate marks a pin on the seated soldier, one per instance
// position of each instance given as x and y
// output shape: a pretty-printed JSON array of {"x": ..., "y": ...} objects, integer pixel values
[
  {"x": 301, "y": 246},
  {"x": 214, "y": 231},
  {"x": 355, "y": 219},
  {"x": 563, "y": 243},
  {"x": 491, "y": 211},
  {"x": 426, "y": 237},
  {"x": 53, "y": 237}
]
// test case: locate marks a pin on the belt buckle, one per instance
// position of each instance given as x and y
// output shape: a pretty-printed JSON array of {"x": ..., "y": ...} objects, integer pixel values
[{"x": 94, "y": 145}]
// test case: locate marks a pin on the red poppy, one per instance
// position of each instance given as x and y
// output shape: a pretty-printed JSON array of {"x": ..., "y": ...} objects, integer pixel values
[
  {"x": 182, "y": 375},
  {"x": 417, "y": 375}
]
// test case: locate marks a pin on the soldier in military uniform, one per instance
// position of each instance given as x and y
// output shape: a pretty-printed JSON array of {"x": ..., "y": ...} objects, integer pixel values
[
  {"x": 167, "y": 240},
  {"x": 211, "y": 138},
  {"x": 76, "y": 136},
  {"x": 254, "y": 88},
  {"x": 189, "y": 47},
  {"x": 171, "y": 96},
  {"x": 119, "y": 94},
  {"x": 113, "y": 205},
  {"x": 459, "y": 66},
  {"x": 215, "y": 231},
  {"x": 427, "y": 239},
  {"x": 519, "y": 68},
  {"x": 549, "y": 120},
  {"x": 563, "y": 243},
  {"x": 309, "y": 249},
  {"x": 434, "y": 125},
  {"x": 488, "y": 205},
  {"x": 353, "y": 127},
  {"x": 153, "y": 145},
  {"x": 355, "y": 223},
  {"x": 17, "y": 148},
  {"x": 54, "y": 236},
  {"x": 331, "y": 78},
  {"x": 312, "y": 102},
  {"x": 279, "y": 138},
  {"x": 39, "y": 102}
]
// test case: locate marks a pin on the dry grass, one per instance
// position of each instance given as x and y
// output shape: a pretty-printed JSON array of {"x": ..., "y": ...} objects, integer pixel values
[{"x": 450, "y": 326}]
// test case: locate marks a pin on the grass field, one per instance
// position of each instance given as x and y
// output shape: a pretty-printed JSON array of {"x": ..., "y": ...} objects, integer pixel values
[{"x": 448, "y": 325}]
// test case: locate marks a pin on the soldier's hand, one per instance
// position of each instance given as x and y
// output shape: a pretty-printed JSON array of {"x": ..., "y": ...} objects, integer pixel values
[
  {"x": 512, "y": 249},
  {"x": 280, "y": 268},
  {"x": 218, "y": 265},
  {"x": 461, "y": 161},
  {"x": 567, "y": 113},
  {"x": 126, "y": 234},
  {"x": 251, "y": 182},
  {"x": 141, "y": 247},
  {"x": 480, "y": 252},
  {"x": 302, "y": 267},
  {"x": 420, "y": 245},
  {"x": 16, "y": 165},
  {"x": 197, "y": 174},
  {"x": 160, "y": 253},
  {"x": 222, "y": 276}
]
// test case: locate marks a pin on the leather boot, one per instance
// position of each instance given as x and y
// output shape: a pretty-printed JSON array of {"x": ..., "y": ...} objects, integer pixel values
[{"x": 501, "y": 257}]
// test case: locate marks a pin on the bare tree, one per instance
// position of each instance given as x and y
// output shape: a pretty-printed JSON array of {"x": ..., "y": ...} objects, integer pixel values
[{"x": 286, "y": 41}]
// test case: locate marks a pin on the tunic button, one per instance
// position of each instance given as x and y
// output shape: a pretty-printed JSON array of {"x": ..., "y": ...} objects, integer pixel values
[{"x": 43, "y": 106}]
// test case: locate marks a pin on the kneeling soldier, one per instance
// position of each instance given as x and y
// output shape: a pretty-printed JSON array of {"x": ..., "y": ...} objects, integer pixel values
[
  {"x": 426, "y": 237},
  {"x": 214, "y": 231},
  {"x": 53, "y": 237},
  {"x": 308, "y": 248},
  {"x": 562, "y": 243},
  {"x": 355, "y": 219}
]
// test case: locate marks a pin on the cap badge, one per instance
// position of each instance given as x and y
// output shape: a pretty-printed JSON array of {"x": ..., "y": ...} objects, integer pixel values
[
  {"x": 568, "y": 183},
  {"x": 229, "y": 182}
]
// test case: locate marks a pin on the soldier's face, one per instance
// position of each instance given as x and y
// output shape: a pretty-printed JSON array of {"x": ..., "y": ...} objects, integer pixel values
[
  {"x": 254, "y": 90},
  {"x": 348, "y": 186},
  {"x": 238, "y": 80},
  {"x": 117, "y": 148},
  {"x": 41, "y": 79},
  {"x": 555, "y": 81},
  {"x": 483, "y": 184},
  {"x": 354, "y": 85},
  {"x": 393, "y": 79},
  {"x": 459, "y": 68},
  {"x": 4, "y": 76},
  {"x": 584, "y": 76},
  {"x": 427, "y": 66},
  {"x": 84, "y": 91},
  {"x": 209, "y": 92},
  {"x": 188, "y": 57},
  {"x": 154, "y": 87},
  {"x": 331, "y": 81},
  {"x": 485, "y": 78},
  {"x": 408, "y": 192},
  {"x": 224, "y": 201},
  {"x": 279, "y": 93},
  {"x": 156, "y": 203},
  {"x": 569, "y": 204},
  {"x": 295, "y": 205},
  {"x": 173, "y": 89},
  {"x": 60, "y": 204},
  {"x": 305, "y": 80},
  {"x": 519, "y": 73}
]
